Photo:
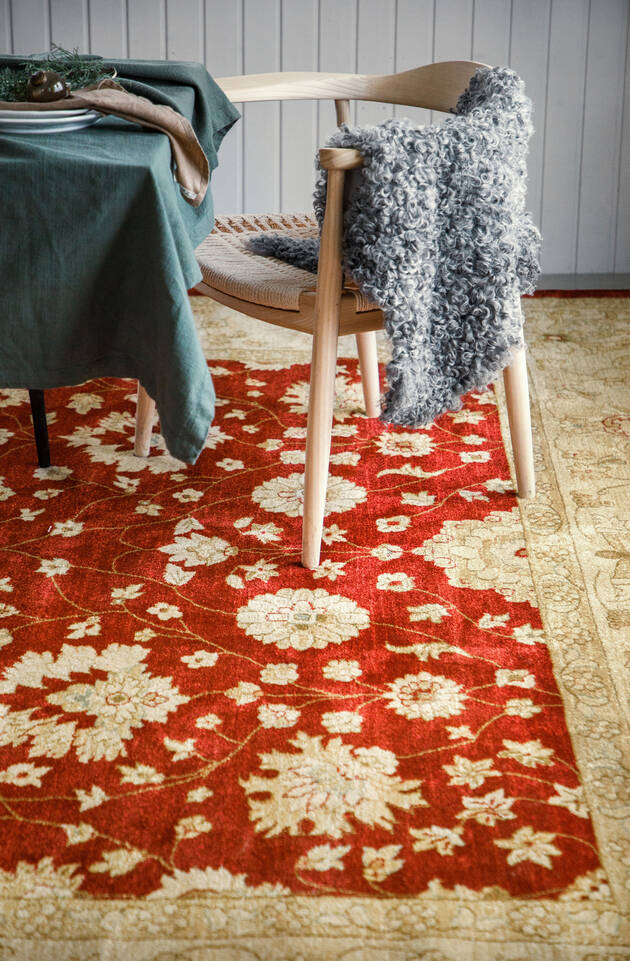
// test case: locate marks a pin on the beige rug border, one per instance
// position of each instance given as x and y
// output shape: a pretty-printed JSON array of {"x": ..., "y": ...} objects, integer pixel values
[{"x": 465, "y": 927}]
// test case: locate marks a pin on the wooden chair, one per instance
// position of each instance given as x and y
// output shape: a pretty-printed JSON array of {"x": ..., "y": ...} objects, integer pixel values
[{"x": 325, "y": 306}]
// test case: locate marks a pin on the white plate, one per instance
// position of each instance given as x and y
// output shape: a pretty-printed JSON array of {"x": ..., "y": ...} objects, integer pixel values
[
  {"x": 50, "y": 125},
  {"x": 37, "y": 114}
]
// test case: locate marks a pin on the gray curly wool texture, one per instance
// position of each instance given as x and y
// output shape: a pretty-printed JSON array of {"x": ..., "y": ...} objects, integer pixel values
[{"x": 436, "y": 233}]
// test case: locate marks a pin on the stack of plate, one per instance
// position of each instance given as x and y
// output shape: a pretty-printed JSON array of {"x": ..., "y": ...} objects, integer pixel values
[{"x": 46, "y": 121}]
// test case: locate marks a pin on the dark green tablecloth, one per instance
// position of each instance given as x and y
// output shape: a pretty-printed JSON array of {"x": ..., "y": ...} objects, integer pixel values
[{"x": 97, "y": 253}]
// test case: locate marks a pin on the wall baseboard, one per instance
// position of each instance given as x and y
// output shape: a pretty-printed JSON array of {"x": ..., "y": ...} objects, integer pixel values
[{"x": 583, "y": 282}]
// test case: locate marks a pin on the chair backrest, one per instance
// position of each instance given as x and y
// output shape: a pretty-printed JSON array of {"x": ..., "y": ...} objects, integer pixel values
[{"x": 436, "y": 86}]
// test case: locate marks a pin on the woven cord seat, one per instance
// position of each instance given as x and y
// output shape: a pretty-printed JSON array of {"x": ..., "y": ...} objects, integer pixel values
[{"x": 229, "y": 266}]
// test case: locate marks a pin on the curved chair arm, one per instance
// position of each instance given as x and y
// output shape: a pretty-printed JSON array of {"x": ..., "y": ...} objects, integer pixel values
[
  {"x": 436, "y": 86},
  {"x": 340, "y": 158}
]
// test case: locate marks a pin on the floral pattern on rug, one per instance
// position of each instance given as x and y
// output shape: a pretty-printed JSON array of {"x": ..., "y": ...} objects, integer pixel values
[{"x": 183, "y": 708}]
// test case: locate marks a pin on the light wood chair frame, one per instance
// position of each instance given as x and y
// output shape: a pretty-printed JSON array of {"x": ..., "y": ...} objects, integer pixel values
[{"x": 329, "y": 311}]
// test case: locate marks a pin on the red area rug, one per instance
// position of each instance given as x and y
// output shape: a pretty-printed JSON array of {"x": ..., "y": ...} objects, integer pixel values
[{"x": 183, "y": 708}]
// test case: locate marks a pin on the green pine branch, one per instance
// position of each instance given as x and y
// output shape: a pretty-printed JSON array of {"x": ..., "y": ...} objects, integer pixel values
[{"x": 78, "y": 71}]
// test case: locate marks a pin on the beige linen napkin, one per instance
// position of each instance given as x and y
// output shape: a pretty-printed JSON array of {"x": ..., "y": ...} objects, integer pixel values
[{"x": 191, "y": 163}]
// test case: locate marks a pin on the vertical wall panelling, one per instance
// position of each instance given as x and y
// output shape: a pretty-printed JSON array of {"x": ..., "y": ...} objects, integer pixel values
[
  {"x": 184, "y": 25},
  {"x": 261, "y": 135},
  {"x": 622, "y": 247},
  {"x": 572, "y": 54},
  {"x": 452, "y": 34},
  {"x": 69, "y": 23},
  {"x": 30, "y": 26},
  {"x": 108, "y": 27},
  {"x": 337, "y": 51},
  {"x": 414, "y": 46},
  {"x": 563, "y": 133},
  {"x": 5, "y": 27},
  {"x": 375, "y": 51},
  {"x": 601, "y": 134},
  {"x": 224, "y": 58},
  {"x": 298, "y": 128},
  {"x": 491, "y": 32},
  {"x": 147, "y": 29},
  {"x": 529, "y": 43}
]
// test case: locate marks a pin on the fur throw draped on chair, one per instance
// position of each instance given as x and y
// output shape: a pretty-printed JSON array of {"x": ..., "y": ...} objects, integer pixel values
[{"x": 436, "y": 233}]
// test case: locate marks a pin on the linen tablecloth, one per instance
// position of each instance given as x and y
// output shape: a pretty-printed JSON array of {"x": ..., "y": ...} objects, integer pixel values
[{"x": 97, "y": 251}]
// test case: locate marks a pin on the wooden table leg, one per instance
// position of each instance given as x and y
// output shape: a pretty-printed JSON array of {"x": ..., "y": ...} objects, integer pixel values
[{"x": 38, "y": 413}]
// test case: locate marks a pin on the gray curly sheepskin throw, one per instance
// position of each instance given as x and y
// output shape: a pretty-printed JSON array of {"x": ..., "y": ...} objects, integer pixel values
[{"x": 436, "y": 233}]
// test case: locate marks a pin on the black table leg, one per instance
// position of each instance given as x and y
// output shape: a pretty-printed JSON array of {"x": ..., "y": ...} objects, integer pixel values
[{"x": 38, "y": 413}]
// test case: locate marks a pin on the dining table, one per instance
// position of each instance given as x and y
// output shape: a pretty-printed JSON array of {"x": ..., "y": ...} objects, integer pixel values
[{"x": 97, "y": 252}]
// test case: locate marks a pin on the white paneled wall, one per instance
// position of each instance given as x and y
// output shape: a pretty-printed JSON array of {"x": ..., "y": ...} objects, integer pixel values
[{"x": 572, "y": 54}]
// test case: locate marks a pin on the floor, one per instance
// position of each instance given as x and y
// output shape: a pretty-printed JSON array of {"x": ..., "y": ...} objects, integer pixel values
[{"x": 577, "y": 527}]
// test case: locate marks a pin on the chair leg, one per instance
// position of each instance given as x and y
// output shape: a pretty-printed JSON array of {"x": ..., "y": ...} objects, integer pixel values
[
  {"x": 368, "y": 365},
  {"x": 517, "y": 397},
  {"x": 145, "y": 412},
  {"x": 40, "y": 427},
  {"x": 318, "y": 438}
]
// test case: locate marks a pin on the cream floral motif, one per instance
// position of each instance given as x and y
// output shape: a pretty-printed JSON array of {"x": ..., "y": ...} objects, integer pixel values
[
  {"x": 429, "y": 612},
  {"x": 278, "y": 715},
  {"x": 417, "y": 498},
  {"x": 527, "y": 753},
  {"x": 120, "y": 861},
  {"x": 176, "y": 576},
  {"x": 83, "y": 403},
  {"x": 387, "y": 552},
  {"x": 219, "y": 880},
  {"x": 472, "y": 773},
  {"x": 526, "y": 634},
  {"x": 199, "y": 795},
  {"x": 91, "y": 626},
  {"x": 487, "y": 554},
  {"x": 279, "y": 673},
  {"x": 425, "y": 696},
  {"x": 23, "y": 775},
  {"x": 54, "y": 567},
  {"x": 570, "y": 798},
  {"x": 244, "y": 693},
  {"x": 79, "y": 833},
  {"x": 393, "y": 525},
  {"x": 41, "y": 880},
  {"x": 342, "y": 722},
  {"x": 323, "y": 857},
  {"x": 529, "y": 845},
  {"x": 488, "y": 809},
  {"x": 436, "y": 838},
  {"x": 348, "y": 398},
  {"x": 127, "y": 698},
  {"x": 396, "y": 581},
  {"x": 208, "y": 722},
  {"x": 164, "y": 611},
  {"x": 379, "y": 863},
  {"x": 285, "y": 495},
  {"x": 139, "y": 774},
  {"x": 321, "y": 785},
  {"x": 197, "y": 549},
  {"x": 119, "y": 455},
  {"x": 302, "y": 618},
  {"x": 200, "y": 659},
  {"x": 414, "y": 444},
  {"x": 521, "y": 707},
  {"x": 67, "y": 528},
  {"x": 346, "y": 671},
  {"x": 90, "y": 799}
]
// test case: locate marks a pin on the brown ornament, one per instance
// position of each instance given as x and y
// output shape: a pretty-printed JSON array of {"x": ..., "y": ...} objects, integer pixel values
[{"x": 45, "y": 86}]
